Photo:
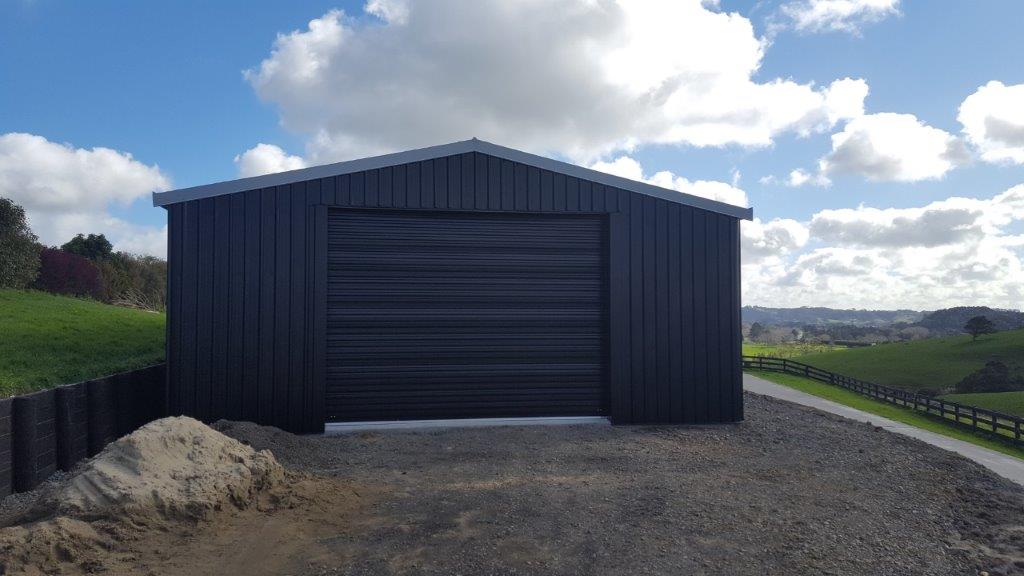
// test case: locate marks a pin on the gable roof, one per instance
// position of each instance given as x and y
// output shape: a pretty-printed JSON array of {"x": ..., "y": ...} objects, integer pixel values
[{"x": 432, "y": 152}]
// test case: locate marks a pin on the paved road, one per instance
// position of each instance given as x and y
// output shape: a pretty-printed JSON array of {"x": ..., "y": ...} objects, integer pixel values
[{"x": 1005, "y": 466}]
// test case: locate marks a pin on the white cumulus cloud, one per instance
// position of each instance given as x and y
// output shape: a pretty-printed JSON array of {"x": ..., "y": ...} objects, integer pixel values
[
  {"x": 956, "y": 251},
  {"x": 772, "y": 239},
  {"x": 628, "y": 167},
  {"x": 950, "y": 221},
  {"x": 837, "y": 15},
  {"x": 266, "y": 159},
  {"x": 67, "y": 190},
  {"x": 391, "y": 11},
  {"x": 798, "y": 177},
  {"x": 585, "y": 79},
  {"x": 893, "y": 147},
  {"x": 844, "y": 99},
  {"x": 993, "y": 121}
]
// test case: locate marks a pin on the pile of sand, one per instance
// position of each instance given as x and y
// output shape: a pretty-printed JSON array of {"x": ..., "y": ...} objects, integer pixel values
[
  {"x": 171, "y": 471},
  {"x": 174, "y": 468}
]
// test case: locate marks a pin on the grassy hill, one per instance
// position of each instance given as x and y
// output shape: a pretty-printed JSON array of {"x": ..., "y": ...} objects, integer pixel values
[
  {"x": 48, "y": 340},
  {"x": 1006, "y": 402},
  {"x": 934, "y": 363}
]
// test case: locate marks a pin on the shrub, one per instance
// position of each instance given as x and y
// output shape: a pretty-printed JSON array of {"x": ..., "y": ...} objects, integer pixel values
[
  {"x": 61, "y": 272},
  {"x": 134, "y": 281},
  {"x": 126, "y": 279},
  {"x": 994, "y": 377},
  {"x": 19, "y": 252}
]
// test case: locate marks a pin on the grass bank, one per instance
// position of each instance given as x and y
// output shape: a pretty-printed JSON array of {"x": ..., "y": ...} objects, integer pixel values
[
  {"x": 903, "y": 415},
  {"x": 1006, "y": 402},
  {"x": 934, "y": 363},
  {"x": 48, "y": 340}
]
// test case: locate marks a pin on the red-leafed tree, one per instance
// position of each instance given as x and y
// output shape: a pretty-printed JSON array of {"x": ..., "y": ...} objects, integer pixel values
[{"x": 62, "y": 272}]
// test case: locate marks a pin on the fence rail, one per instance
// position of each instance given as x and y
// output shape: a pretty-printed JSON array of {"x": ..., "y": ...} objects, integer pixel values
[
  {"x": 1004, "y": 426},
  {"x": 53, "y": 429}
]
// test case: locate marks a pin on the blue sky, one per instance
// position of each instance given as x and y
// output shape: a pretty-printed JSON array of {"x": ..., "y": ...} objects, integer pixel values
[{"x": 164, "y": 83}]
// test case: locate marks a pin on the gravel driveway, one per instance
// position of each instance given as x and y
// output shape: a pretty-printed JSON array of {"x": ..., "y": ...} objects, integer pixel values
[{"x": 788, "y": 491}]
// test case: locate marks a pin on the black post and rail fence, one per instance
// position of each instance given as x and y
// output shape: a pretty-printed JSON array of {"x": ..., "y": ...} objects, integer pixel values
[
  {"x": 54, "y": 429},
  {"x": 1003, "y": 426}
]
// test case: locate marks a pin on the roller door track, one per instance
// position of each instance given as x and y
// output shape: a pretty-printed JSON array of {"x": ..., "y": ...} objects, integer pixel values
[{"x": 465, "y": 315}]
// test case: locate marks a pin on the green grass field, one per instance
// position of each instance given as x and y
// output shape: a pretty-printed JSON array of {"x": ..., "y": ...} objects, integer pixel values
[
  {"x": 48, "y": 340},
  {"x": 787, "y": 350},
  {"x": 935, "y": 363},
  {"x": 1006, "y": 402},
  {"x": 904, "y": 415}
]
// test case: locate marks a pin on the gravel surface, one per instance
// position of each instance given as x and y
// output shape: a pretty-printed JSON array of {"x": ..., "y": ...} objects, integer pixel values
[{"x": 789, "y": 491}]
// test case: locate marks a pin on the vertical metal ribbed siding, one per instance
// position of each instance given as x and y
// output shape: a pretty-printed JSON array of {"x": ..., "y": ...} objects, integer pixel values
[{"x": 674, "y": 292}]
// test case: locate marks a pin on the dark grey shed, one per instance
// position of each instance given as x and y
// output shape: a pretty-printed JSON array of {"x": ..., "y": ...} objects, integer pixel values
[{"x": 456, "y": 281}]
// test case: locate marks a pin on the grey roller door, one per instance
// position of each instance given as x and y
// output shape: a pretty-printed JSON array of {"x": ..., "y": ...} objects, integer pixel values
[{"x": 465, "y": 315}]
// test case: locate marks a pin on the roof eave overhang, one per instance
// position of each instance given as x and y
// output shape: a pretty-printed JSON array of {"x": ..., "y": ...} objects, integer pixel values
[{"x": 429, "y": 153}]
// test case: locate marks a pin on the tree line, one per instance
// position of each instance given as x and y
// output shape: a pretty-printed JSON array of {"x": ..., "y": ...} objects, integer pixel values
[
  {"x": 85, "y": 266},
  {"x": 764, "y": 333}
]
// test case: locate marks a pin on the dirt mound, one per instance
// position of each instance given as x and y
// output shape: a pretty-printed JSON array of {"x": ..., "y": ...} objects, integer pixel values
[
  {"x": 52, "y": 546},
  {"x": 174, "y": 471},
  {"x": 174, "y": 468}
]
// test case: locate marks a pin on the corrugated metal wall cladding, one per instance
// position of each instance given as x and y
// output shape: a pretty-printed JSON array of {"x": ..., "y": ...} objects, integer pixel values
[{"x": 252, "y": 307}]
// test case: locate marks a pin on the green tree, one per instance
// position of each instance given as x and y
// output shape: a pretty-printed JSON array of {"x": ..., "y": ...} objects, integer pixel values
[
  {"x": 979, "y": 325},
  {"x": 19, "y": 252},
  {"x": 95, "y": 247},
  {"x": 757, "y": 331}
]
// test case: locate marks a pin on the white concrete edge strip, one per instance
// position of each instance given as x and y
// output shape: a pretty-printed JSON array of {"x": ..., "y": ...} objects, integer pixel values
[
  {"x": 1002, "y": 464},
  {"x": 335, "y": 428}
]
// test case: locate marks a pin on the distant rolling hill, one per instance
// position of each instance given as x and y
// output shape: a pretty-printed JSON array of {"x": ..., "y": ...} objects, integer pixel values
[
  {"x": 947, "y": 321},
  {"x": 817, "y": 316},
  {"x": 952, "y": 320}
]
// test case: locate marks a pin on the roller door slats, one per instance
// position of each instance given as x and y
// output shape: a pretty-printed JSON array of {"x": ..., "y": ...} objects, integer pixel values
[
  {"x": 459, "y": 315},
  {"x": 522, "y": 371}
]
